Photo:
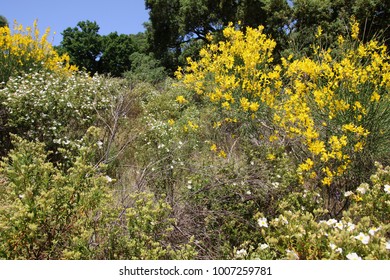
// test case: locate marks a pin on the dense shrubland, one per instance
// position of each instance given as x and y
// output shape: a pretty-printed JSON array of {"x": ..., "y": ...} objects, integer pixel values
[{"x": 242, "y": 155}]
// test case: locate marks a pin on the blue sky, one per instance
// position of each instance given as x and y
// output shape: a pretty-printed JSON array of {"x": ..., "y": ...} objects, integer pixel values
[{"x": 123, "y": 16}]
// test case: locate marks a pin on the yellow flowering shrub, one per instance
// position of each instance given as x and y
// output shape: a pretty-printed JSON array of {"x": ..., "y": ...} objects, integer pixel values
[
  {"x": 24, "y": 50},
  {"x": 333, "y": 106}
]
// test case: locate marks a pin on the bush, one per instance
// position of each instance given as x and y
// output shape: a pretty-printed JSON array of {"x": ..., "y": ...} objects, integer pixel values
[
  {"x": 56, "y": 109},
  {"x": 47, "y": 212},
  {"x": 330, "y": 111},
  {"x": 23, "y": 50},
  {"x": 304, "y": 232},
  {"x": 141, "y": 228}
]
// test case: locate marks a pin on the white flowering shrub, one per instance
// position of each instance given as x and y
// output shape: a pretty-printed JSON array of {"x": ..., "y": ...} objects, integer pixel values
[
  {"x": 53, "y": 108},
  {"x": 360, "y": 232}
]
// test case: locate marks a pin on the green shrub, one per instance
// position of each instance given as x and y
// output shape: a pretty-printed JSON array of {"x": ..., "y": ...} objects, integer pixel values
[
  {"x": 47, "y": 212},
  {"x": 141, "y": 228},
  {"x": 304, "y": 230}
]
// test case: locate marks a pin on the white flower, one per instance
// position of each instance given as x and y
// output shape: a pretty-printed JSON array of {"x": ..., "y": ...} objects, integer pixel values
[
  {"x": 331, "y": 222},
  {"x": 363, "y": 238},
  {"x": 292, "y": 255},
  {"x": 100, "y": 144},
  {"x": 332, "y": 246},
  {"x": 388, "y": 245},
  {"x": 275, "y": 184},
  {"x": 339, "y": 225},
  {"x": 363, "y": 188},
  {"x": 339, "y": 250},
  {"x": 351, "y": 226},
  {"x": 353, "y": 256},
  {"x": 248, "y": 192},
  {"x": 348, "y": 193},
  {"x": 241, "y": 253},
  {"x": 387, "y": 188},
  {"x": 373, "y": 230},
  {"x": 262, "y": 222},
  {"x": 264, "y": 246}
]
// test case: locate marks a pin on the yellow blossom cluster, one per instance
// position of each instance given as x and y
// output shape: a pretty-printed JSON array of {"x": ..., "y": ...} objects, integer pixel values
[
  {"x": 23, "y": 49},
  {"x": 327, "y": 102}
]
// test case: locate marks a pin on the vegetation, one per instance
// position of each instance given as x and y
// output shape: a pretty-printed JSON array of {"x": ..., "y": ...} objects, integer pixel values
[{"x": 266, "y": 143}]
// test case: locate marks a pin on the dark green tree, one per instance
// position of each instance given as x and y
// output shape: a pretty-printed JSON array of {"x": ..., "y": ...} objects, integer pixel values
[
  {"x": 175, "y": 25},
  {"x": 116, "y": 52},
  {"x": 110, "y": 54},
  {"x": 3, "y": 21},
  {"x": 333, "y": 16},
  {"x": 84, "y": 45}
]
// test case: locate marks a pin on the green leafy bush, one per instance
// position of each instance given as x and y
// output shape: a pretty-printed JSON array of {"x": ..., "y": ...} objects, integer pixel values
[
  {"x": 47, "y": 212},
  {"x": 142, "y": 228},
  {"x": 306, "y": 231}
]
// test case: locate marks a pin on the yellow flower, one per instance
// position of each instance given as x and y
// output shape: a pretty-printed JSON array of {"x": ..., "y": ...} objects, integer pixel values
[
  {"x": 213, "y": 148},
  {"x": 245, "y": 104},
  {"x": 171, "y": 122},
  {"x": 254, "y": 106},
  {"x": 222, "y": 154},
  {"x": 273, "y": 138},
  {"x": 226, "y": 105},
  {"x": 271, "y": 156},
  {"x": 307, "y": 165},
  {"x": 375, "y": 97},
  {"x": 180, "y": 99},
  {"x": 319, "y": 32},
  {"x": 354, "y": 29},
  {"x": 317, "y": 147},
  {"x": 326, "y": 181}
]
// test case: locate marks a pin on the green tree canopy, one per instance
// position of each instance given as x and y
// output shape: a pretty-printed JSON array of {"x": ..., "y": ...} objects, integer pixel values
[
  {"x": 178, "y": 27},
  {"x": 3, "y": 21},
  {"x": 176, "y": 24},
  {"x": 333, "y": 16},
  {"x": 105, "y": 54},
  {"x": 84, "y": 45}
]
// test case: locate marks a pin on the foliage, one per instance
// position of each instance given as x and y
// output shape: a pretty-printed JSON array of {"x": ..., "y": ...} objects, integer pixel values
[
  {"x": 332, "y": 108},
  {"x": 332, "y": 16},
  {"x": 83, "y": 44},
  {"x": 47, "y": 212},
  {"x": 116, "y": 54},
  {"x": 3, "y": 21},
  {"x": 261, "y": 149},
  {"x": 24, "y": 51},
  {"x": 57, "y": 212},
  {"x": 53, "y": 108},
  {"x": 141, "y": 230},
  {"x": 303, "y": 233},
  {"x": 175, "y": 24},
  {"x": 145, "y": 68},
  {"x": 111, "y": 54},
  {"x": 181, "y": 24}
]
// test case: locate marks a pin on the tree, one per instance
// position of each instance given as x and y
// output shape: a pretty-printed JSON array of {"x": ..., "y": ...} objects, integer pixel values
[
  {"x": 3, "y": 21},
  {"x": 116, "y": 52},
  {"x": 84, "y": 45},
  {"x": 95, "y": 53},
  {"x": 174, "y": 25},
  {"x": 333, "y": 17}
]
